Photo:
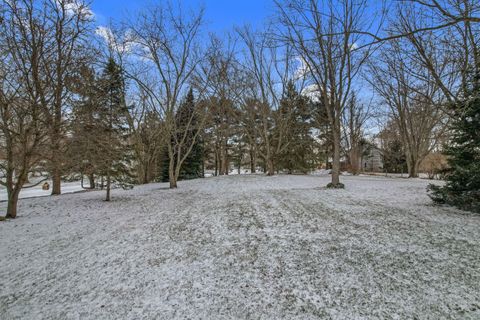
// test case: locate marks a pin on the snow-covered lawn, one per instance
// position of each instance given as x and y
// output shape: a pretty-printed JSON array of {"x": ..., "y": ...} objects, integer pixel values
[
  {"x": 37, "y": 191},
  {"x": 242, "y": 247}
]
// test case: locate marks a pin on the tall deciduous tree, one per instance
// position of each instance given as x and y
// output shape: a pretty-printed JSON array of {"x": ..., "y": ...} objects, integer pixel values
[
  {"x": 24, "y": 84},
  {"x": 323, "y": 34},
  {"x": 355, "y": 118},
  {"x": 166, "y": 39},
  {"x": 414, "y": 101},
  {"x": 269, "y": 68},
  {"x": 55, "y": 31},
  {"x": 22, "y": 133}
]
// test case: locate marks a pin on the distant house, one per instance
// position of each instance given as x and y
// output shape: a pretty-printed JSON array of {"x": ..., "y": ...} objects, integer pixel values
[{"x": 373, "y": 161}]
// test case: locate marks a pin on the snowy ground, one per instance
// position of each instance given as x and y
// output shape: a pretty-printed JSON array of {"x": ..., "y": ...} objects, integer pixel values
[
  {"x": 242, "y": 247},
  {"x": 37, "y": 191}
]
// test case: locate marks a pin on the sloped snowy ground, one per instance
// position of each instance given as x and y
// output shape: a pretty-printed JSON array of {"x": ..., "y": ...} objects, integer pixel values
[
  {"x": 37, "y": 191},
  {"x": 242, "y": 247}
]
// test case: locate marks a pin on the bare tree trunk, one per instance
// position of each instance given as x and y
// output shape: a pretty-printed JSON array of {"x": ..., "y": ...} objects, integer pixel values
[
  {"x": 270, "y": 167},
  {"x": 253, "y": 164},
  {"x": 91, "y": 180},
  {"x": 12, "y": 203},
  {"x": 412, "y": 164},
  {"x": 171, "y": 174},
  {"x": 354, "y": 161},
  {"x": 216, "y": 163},
  {"x": 220, "y": 159},
  {"x": 108, "y": 187},
  {"x": 225, "y": 158},
  {"x": 336, "y": 158},
  {"x": 56, "y": 177}
]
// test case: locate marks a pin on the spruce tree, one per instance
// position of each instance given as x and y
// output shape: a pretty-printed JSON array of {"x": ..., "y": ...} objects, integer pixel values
[
  {"x": 462, "y": 188},
  {"x": 186, "y": 124},
  {"x": 85, "y": 125},
  {"x": 299, "y": 155},
  {"x": 115, "y": 162},
  {"x": 193, "y": 164}
]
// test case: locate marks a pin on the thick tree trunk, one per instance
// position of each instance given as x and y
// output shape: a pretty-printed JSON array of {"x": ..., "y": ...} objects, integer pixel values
[
  {"x": 12, "y": 204},
  {"x": 173, "y": 182},
  {"x": 221, "y": 169},
  {"x": 56, "y": 180},
  {"x": 56, "y": 154},
  {"x": 412, "y": 164},
  {"x": 172, "y": 177},
  {"x": 354, "y": 161},
  {"x": 143, "y": 173},
  {"x": 226, "y": 166},
  {"x": 270, "y": 167}
]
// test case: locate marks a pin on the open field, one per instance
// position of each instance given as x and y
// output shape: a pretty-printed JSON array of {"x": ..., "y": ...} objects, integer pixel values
[{"x": 242, "y": 247}]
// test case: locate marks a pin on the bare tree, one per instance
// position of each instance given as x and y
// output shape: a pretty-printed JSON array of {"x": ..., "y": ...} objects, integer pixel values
[
  {"x": 166, "y": 40},
  {"x": 355, "y": 118},
  {"x": 61, "y": 28},
  {"x": 450, "y": 50},
  {"x": 323, "y": 34},
  {"x": 147, "y": 137},
  {"x": 22, "y": 126},
  {"x": 269, "y": 68},
  {"x": 413, "y": 99},
  {"x": 224, "y": 92}
]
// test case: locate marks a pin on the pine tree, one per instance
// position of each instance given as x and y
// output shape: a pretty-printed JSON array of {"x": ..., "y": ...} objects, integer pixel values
[
  {"x": 193, "y": 166},
  {"x": 299, "y": 155},
  {"x": 463, "y": 179},
  {"x": 186, "y": 123},
  {"x": 394, "y": 157},
  {"x": 115, "y": 162},
  {"x": 85, "y": 127}
]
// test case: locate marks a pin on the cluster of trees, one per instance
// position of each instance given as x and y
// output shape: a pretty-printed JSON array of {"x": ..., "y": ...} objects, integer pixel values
[{"x": 154, "y": 98}]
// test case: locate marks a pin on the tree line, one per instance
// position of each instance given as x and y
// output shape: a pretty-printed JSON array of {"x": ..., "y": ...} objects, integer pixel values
[{"x": 155, "y": 97}]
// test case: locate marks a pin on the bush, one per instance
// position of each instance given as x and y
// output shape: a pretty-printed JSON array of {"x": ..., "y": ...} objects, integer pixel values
[{"x": 335, "y": 186}]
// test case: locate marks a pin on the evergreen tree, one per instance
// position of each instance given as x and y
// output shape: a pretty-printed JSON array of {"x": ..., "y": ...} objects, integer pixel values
[
  {"x": 394, "y": 157},
  {"x": 85, "y": 125},
  {"x": 463, "y": 179},
  {"x": 299, "y": 155},
  {"x": 115, "y": 158},
  {"x": 186, "y": 123}
]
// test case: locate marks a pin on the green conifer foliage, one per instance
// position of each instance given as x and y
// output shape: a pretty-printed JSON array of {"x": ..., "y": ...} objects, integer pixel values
[
  {"x": 463, "y": 179},
  {"x": 186, "y": 126}
]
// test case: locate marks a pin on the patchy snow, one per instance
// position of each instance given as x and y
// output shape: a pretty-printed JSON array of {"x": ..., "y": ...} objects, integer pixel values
[{"x": 242, "y": 247}]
